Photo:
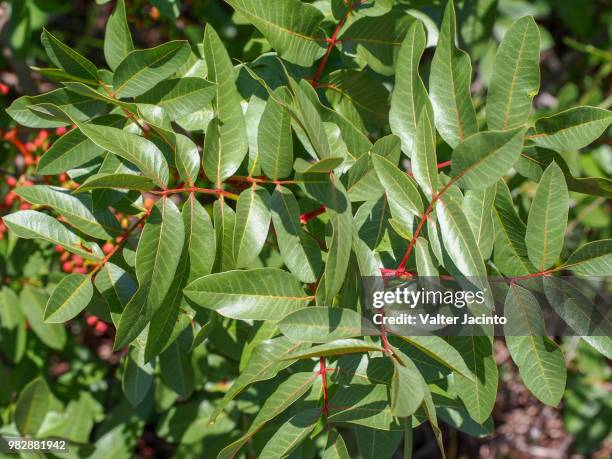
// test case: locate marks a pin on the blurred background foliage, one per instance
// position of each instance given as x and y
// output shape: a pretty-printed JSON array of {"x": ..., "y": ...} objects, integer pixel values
[{"x": 576, "y": 69}]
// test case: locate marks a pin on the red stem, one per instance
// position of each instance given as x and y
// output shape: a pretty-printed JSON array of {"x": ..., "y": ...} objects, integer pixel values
[
  {"x": 323, "y": 373},
  {"x": 304, "y": 218},
  {"x": 195, "y": 190},
  {"x": 402, "y": 266},
  {"x": 529, "y": 276},
  {"x": 120, "y": 241},
  {"x": 331, "y": 42}
]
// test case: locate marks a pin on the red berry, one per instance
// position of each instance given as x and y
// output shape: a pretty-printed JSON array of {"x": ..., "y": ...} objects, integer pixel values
[
  {"x": 80, "y": 270},
  {"x": 25, "y": 206},
  {"x": 67, "y": 266},
  {"x": 4, "y": 89},
  {"x": 9, "y": 198},
  {"x": 29, "y": 160},
  {"x": 11, "y": 181},
  {"x": 92, "y": 320},
  {"x": 63, "y": 177},
  {"x": 61, "y": 130},
  {"x": 31, "y": 147},
  {"x": 107, "y": 247},
  {"x": 78, "y": 261},
  {"x": 59, "y": 248},
  {"x": 101, "y": 327}
]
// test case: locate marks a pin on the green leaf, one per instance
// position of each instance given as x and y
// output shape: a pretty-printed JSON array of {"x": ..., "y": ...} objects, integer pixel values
[
  {"x": 30, "y": 224},
  {"x": 425, "y": 264},
  {"x": 571, "y": 129},
  {"x": 478, "y": 207},
  {"x": 402, "y": 192},
  {"x": 339, "y": 245},
  {"x": 372, "y": 221},
  {"x": 142, "y": 69},
  {"x": 576, "y": 306},
  {"x": 252, "y": 224},
  {"x": 156, "y": 262},
  {"x": 409, "y": 97},
  {"x": 516, "y": 76},
  {"x": 458, "y": 238},
  {"x": 349, "y": 90},
  {"x": 539, "y": 359},
  {"x": 591, "y": 259},
  {"x": 69, "y": 298},
  {"x": 73, "y": 149},
  {"x": 449, "y": 85},
  {"x": 478, "y": 395},
  {"x": 337, "y": 347},
  {"x": 438, "y": 349},
  {"x": 424, "y": 160},
  {"x": 547, "y": 219},
  {"x": 285, "y": 395},
  {"x": 137, "y": 378},
  {"x": 406, "y": 386},
  {"x": 78, "y": 107},
  {"x": 362, "y": 182},
  {"x": 179, "y": 97},
  {"x": 323, "y": 324},
  {"x": 187, "y": 159},
  {"x": 255, "y": 294},
  {"x": 290, "y": 26},
  {"x": 229, "y": 144},
  {"x": 289, "y": 435},
  {"x": 117, "y": 37},
  {"x": 200, "y": 238},
  {"x": 77, "y": 210},
  {"x": 274, "y": 138},
  {"x": 300, "y": 252},
  {"x": 116, "y": 181},
  {"x": 32, "y": 407},
  {"x": 378, "y": 444},
  {"x": 365, "y": 405},
  {"x": 309, "y": 121},
  {"x": 116, "y": 287},
  {"x": 510, "y": 250},
  {"x": 335, "y": 448},
  {"x": 143, "y": 153},
  {"x": 483, "y": 158},
  {"x": 224, "y": 220},
  {"x": 32, "y": 304},
  {"x": 169, "y": 320},
  {"x": 176, "y": 369},
  {"x": 267, "y": 360},
  {"x": 375, "y": 40},
  {"x": 68, "y": 59}
]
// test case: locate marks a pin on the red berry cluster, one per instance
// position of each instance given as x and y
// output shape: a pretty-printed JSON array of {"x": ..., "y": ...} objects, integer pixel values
[
  {"x": 71, "y": 263},
  {"x": 96, "y": 324},
  {"x": 28, "y": 154}
]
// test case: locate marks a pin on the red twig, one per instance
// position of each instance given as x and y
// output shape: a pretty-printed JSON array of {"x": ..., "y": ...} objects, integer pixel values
[
  {"x": 529, "y": 276},
  {"x": 402, "y": 265},
  {"x": 306, "y": 217},
  {"x": 120, "y": 241},
  {"x": 323, "y": 373},
  {"x": 331, "y": 42},
  {"x": 237, "y": 178},
  {"x": 215, "y": 191}
]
